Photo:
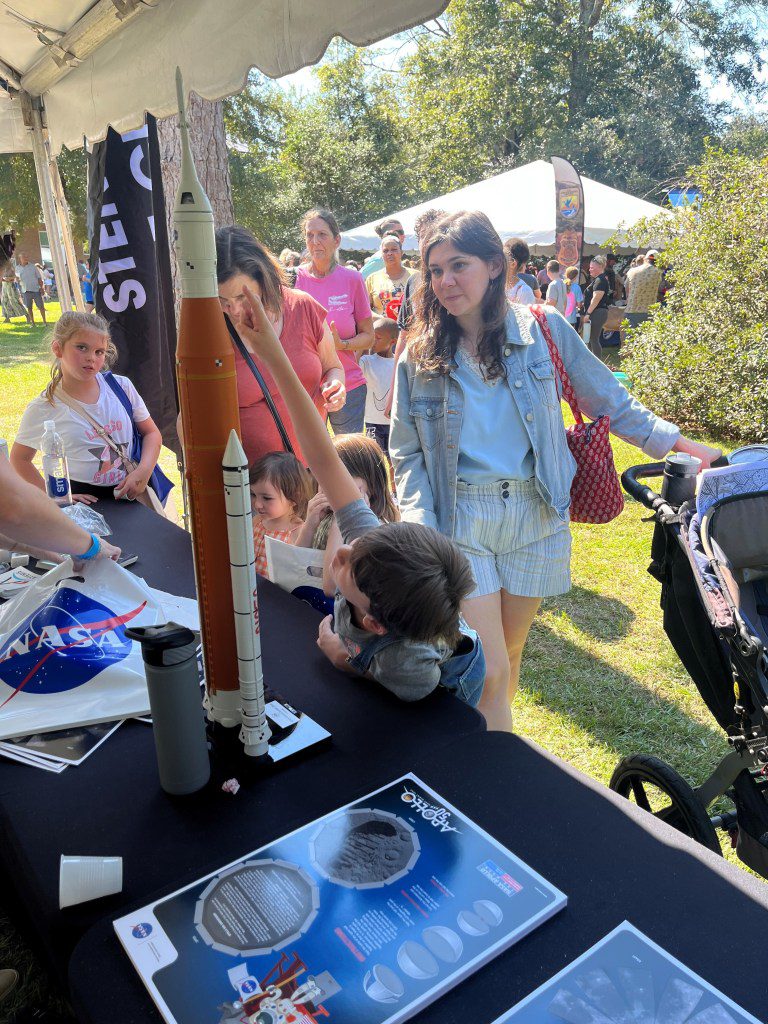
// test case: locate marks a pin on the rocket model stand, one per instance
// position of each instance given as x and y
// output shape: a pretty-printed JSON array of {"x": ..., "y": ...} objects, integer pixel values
[
  {"x": 205, "y": 368},
  {"x": 255, "y": 732}
]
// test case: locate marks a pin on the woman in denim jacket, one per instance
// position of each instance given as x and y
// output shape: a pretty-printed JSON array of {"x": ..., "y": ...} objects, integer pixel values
[{"x": 478, "y": 443}]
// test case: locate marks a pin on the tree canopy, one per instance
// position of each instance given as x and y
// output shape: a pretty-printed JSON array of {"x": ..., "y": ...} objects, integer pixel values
[
  {"x": 618, "y": 88},
  {"x": 702, "y": 358}
]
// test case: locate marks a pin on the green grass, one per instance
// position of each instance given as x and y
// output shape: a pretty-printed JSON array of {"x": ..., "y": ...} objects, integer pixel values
[{"x": 600, "y": 679}]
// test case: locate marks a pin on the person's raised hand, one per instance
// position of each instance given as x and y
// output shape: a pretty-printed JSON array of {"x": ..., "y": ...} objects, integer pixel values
[{"x": 255, "y": 327}]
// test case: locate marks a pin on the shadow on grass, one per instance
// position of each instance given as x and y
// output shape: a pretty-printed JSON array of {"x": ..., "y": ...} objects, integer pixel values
[
  {"x": 604, "y": 618},
  {"x": 614, "y": 708},
  {"x": 35, "y": 992},
  {"x": 22, "y": 343}
]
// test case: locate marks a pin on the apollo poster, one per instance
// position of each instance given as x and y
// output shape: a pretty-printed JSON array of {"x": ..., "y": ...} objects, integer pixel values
[
  {"x": 626, "y": 979},
  {"x": 64, "y": 657},
  {"x": 569, "y": 213},
  {"x": 364, "y": 916}
]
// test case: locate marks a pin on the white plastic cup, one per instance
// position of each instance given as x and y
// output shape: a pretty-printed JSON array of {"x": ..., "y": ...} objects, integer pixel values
[{"x": 88, "y": 878}]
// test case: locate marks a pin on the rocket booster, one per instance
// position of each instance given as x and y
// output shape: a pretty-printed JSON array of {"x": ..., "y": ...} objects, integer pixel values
[
  {"x": 255, "y": 732},
  {"x": 205, "y": 370}
]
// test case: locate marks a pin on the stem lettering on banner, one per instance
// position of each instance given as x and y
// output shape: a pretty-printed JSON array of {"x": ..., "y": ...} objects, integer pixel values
[{"x": 130, "y": 267}]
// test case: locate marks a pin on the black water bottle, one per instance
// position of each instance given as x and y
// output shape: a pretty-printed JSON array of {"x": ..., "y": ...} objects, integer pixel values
[
  {"x": 679, "y": 483},
  {"x": 178, "y": 721}
]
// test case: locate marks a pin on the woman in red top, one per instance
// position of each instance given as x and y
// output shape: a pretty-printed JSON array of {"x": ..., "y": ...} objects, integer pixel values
[{"x": 299, "y": 323}]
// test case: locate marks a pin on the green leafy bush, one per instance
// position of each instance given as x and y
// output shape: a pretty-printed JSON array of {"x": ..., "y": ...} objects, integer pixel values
[{"x": 702, "y": 359}]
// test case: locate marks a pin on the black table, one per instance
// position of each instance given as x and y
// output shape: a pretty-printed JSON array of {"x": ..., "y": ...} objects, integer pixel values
[
  {"x": 113, "y": 804},
  {"x": 613, "y": 861}
]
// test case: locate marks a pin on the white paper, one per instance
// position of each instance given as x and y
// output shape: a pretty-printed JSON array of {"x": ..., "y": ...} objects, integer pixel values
[
  {"x": 280, "y": 715},
  {"x": 67, "y": 746},
  {"x": 182, "y": 610},
  {"x": 626, "y": 978},
  {"x": 15, "y": 581},
  {"x": 33, "y": 762}
]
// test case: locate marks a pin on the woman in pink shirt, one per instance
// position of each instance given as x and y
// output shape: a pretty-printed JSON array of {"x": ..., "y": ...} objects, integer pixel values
[
  {"x": 299, "y": 323},
  {"x": 341, "y": 290}
]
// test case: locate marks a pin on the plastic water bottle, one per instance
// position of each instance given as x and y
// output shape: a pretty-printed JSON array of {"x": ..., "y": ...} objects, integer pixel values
[{"x": 55, "y": 469}]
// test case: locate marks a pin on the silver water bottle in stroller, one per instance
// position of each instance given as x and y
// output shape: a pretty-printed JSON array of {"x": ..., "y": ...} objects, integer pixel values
[{"x": 679, "y": 483}]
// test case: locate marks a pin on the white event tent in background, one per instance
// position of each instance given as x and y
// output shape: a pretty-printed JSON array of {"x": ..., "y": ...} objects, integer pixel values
[
  {"x": 521, "y": 203},
  {"x": 70, "y": 70}
]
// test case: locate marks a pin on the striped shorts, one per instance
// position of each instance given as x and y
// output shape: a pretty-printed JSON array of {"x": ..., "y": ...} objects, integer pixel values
[{"x": 513, "y": 540}]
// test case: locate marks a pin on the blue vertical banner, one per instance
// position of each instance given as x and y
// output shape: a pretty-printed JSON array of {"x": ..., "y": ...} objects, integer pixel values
[{"x": 130, "y": 267}]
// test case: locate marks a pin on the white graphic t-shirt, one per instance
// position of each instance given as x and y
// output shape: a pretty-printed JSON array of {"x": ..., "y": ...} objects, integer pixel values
[
  {"x": 90, "y": 459},
  {"x": 378, "y": 376}
]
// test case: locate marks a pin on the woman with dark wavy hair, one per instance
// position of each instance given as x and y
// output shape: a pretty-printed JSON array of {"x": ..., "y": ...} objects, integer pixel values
[
  {"x": 478, "y": 443},
  {"x": 300, "y": 325}
]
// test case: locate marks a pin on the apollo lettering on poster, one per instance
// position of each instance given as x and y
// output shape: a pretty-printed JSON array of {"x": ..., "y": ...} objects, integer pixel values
[{"x": 64, "y": 657}]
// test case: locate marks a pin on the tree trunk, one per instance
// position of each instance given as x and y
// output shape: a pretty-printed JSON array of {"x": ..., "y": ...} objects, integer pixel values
[{"x": 209, "y": 150}]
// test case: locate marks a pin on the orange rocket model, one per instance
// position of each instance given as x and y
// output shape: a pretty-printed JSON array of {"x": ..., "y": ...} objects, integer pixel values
[{"x": 205, "y": 369}]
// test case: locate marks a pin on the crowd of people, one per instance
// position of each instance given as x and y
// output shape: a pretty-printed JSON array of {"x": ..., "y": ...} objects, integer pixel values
[
  {"x": 441, "y": 493},
  {"x": 25, "y": 285},
  {"x": 584, "y": 294}
]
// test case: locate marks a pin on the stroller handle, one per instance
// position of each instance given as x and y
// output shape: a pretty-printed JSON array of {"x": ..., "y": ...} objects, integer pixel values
[{"x": 630, "y": 481}]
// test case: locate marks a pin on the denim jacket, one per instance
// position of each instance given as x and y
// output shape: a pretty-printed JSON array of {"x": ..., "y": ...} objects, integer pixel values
[{"x": 427, "y": 415}]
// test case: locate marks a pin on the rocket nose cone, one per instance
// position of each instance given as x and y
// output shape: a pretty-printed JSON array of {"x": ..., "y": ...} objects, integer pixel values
[{"x": 234, "y": 453}]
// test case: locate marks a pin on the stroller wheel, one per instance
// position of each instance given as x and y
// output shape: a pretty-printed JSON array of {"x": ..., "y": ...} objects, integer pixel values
[{"x": 658, "y": 789}]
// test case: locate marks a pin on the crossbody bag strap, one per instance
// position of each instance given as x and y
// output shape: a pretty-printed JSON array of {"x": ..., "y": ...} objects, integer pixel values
[
  {"x": 537, "y": 312},
  {"x": 114, "y": 384},
  {"x": 117, "y": 390},
  {"x": 239, "y": 344},
  {"x": 102, "y": 431}
]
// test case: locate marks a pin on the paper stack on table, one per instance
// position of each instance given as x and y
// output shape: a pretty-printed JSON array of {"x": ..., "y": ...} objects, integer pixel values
[{"x": 55, "y": 751}]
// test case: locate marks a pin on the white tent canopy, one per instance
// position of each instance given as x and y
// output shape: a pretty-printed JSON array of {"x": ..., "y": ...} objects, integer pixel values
[
  {"x": 69, "y": 70},
  {"x": 105, "y": 62},
  {"x": 521, "y": 203}
]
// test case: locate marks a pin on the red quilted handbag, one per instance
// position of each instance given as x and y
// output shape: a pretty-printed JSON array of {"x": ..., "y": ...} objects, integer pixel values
[{"x": 595, "y": 492}]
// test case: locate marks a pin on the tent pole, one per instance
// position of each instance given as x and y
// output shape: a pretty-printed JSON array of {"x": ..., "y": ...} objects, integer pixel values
[
  {"x": 34, "y": 120},
  {"x": 65, "y": 223}
]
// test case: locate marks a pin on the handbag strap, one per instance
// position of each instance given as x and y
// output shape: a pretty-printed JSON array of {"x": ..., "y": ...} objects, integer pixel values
[
  {"x": 117, "y": 390},
  {"x": 102, "y": 431},
  {"x": 557, "y": 360},
  {"x": 239, "y": 344}
]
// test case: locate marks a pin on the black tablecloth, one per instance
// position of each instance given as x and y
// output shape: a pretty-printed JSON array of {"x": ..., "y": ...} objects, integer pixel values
[
  {"x": 613, "y": 862},
  {"x": 113, "y": 805}
]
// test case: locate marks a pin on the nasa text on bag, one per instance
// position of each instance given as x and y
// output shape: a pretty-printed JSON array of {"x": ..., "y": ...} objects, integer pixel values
[{"x": 64, "y": 657}]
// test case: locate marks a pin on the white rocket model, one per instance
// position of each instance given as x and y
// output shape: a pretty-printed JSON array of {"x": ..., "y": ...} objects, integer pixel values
[
  {"x": 193, "y": 220},
  {"x": 255, "y": 732}
]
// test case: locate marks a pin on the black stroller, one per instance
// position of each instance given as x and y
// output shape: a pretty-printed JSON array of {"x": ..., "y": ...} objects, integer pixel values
[{"x": 712, "y": 564}]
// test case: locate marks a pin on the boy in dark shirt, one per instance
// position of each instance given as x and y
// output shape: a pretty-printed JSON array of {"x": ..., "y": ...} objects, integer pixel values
[{"x": 399, "y": 584}]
